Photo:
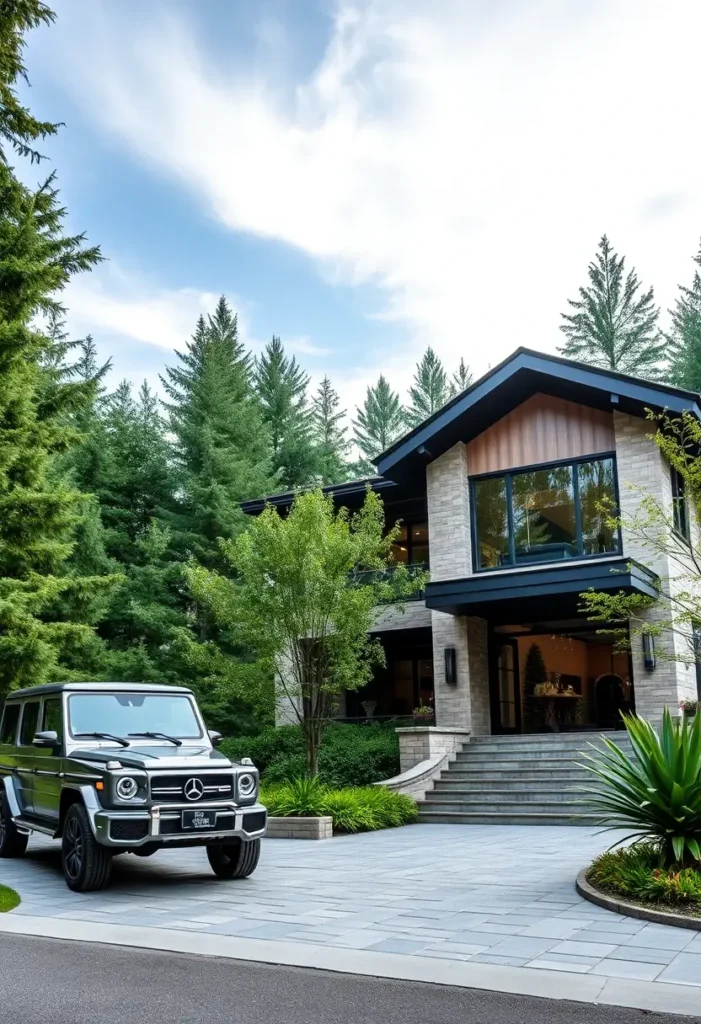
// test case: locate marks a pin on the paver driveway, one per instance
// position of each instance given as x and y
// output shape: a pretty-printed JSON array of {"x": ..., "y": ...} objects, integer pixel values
[{"x": 489, "y": 894}]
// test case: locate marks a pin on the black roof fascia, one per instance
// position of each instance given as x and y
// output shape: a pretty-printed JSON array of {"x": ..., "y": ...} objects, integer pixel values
[
  {"x": 375, "y": 483},
  {"x": 521, "y": 375},
  {"x": 489, "y": 588}
]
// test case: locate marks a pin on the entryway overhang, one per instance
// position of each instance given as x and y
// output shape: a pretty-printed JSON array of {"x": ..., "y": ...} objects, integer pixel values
[{"x": 537, "y": 593}]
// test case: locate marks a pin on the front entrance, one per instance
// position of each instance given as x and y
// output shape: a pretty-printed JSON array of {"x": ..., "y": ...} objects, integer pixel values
[{"x": 557, "y": 677}]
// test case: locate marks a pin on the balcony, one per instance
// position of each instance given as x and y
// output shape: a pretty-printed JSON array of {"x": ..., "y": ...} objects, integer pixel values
[{"x": 366, "y": 576}]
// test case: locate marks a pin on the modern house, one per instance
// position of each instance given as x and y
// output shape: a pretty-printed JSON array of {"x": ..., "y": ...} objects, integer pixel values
[{"x": 500, "y": 494}]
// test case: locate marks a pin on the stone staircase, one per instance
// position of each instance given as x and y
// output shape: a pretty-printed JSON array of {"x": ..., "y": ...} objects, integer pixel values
[{"x": 517, "y": 780}]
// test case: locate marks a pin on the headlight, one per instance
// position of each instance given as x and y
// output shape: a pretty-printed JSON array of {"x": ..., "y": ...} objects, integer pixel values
[
  {"x": 127, "y": 787},
  {"x": 247, "y": 785}
]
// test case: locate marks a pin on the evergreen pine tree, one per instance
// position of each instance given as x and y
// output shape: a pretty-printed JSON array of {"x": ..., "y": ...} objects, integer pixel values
[
  {"x": 613, "y": 326},
  {"x": 331, "y": 445},
  {"x": 37, "y": 513},
  {"x": 379, "y": 421},
  {"x": 281, "y": 385},
  {"x": 685, "y": 336},
  {"x": 18, "y": 128},
  {"x": 430, "y": 390},
  {"x": 460, "y": 380},
  {"x": 220, "y": 440}
]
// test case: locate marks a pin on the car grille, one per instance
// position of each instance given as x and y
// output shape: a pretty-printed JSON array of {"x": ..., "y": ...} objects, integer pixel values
[
  {"x": 173, "y": 826},
  {"x": 170, "y": 789},
  {"x": 254, "y": 822},
  {"x": 128, "y": 829}
]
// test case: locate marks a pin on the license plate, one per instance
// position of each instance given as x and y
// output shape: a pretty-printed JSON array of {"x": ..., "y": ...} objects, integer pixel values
[{"x": 196, "y": 820}]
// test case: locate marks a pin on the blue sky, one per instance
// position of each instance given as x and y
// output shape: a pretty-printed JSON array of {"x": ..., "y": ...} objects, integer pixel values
[{"x": 366, "y": 178}]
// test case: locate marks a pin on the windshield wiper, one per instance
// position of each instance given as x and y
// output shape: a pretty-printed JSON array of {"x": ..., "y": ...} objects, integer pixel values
[
  {"x": 101, "y": 736},
  {"x": 159, "y": 736}
]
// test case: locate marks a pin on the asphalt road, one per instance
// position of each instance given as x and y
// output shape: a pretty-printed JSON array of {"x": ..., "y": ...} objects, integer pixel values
[{"x": 56, "y": 982}]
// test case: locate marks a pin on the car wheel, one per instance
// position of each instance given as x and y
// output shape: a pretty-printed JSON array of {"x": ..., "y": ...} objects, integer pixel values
[
  {"x": 86, "y": 864},
  {"x": 13, "y": 843},
  {"x": 234, "y": 860}
]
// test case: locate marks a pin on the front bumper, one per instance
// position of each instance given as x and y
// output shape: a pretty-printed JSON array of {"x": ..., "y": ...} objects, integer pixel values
[{"x": 162, "y": 825}]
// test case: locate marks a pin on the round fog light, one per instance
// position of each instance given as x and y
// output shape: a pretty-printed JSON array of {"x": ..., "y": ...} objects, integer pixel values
[
  {"x": 127, "y": 787},
  {"x": 247, "y": 784}
]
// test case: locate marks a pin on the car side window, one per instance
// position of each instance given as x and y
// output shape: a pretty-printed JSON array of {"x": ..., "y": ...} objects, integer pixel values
[
  {"x": 10, "y": 721},
  {"x": 30, "y": 720},
  {"x": 52, "y": 719}
]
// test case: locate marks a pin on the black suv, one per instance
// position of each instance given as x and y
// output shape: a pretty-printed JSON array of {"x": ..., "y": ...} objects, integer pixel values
[{"x": 114, "y": 767}]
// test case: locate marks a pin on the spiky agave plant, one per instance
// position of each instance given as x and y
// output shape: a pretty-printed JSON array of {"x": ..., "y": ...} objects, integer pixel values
[{"x": 658, "y": 792}]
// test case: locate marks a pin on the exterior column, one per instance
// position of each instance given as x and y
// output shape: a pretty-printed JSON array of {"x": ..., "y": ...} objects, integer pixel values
[
  {"x": 643, "y": 470},
  {"x": 465, "y": 705}
]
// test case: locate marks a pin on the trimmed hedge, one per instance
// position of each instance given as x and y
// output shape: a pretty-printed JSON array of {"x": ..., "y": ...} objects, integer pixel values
[
  {"x": 356, "y": 809},
  {"x": 351, "y": 755},
  {"x": 636, "y": 873}
]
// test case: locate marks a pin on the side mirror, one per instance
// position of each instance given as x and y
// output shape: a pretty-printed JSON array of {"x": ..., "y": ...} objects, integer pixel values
[
  {"x": 215, "y": 737},
  {"x": 46, "y": 739}
]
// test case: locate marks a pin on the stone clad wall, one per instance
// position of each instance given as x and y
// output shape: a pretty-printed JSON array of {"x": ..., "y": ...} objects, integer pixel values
[
  {"x": 465, "y": 705},
  {"x": 642, "y": 469}
]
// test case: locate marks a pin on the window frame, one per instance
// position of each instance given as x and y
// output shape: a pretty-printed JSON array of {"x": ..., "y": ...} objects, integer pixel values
[
  {"x": 10, "y": 707},
  {"x": 680, "y": 506},
  {"x": 410, "y": 543},
  {"x": 29, "y": 703},
  {"x": 507, "y": 475}
]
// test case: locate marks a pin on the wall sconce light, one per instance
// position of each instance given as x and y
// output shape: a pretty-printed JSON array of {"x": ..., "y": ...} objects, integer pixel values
[
  {"x": 649, "y": 656},
  {"x": 451, "y": 668}
]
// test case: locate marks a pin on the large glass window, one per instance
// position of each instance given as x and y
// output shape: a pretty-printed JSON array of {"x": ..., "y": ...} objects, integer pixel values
[
  {"x": 411, "y": 546},
  {"x": 545, "y": 515},
  {"x": 679, "y": 508},
  {"x": 491, "y": 515}
]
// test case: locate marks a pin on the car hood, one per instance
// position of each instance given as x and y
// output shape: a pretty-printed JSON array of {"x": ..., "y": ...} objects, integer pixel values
[{"x": 154, "y": 756}]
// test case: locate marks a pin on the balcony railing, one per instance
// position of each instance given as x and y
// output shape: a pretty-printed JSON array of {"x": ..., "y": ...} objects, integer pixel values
[{"x": 367, "y": 576}]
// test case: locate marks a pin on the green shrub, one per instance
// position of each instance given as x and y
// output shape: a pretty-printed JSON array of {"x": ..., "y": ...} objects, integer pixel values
[
  {"x": 658, "y": 792},
  {"x": 356, "y": 809},
  {"x": 351, "y": 755},
  {"x": 638, "y": 873},
  {"x": 8, "y": 899}
]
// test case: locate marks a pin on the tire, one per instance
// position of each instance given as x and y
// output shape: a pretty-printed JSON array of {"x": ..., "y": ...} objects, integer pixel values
[
  {"x": 86, "y": 864},
  {"x": 13, "y": 843},
  {"x": 234, "y": 860}
]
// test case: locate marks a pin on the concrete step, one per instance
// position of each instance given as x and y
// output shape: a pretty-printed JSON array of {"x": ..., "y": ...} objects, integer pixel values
[
  {"x": 524, "y": 759},
  {"x": 483, "y": 818},
  {"x": 520, "y": 786},
  {"x": 509, "y": 807},
  {"x": 537, "y": 749},
  {"x": 533, "y": 774},
  {"x": 533, "y": 739},
  {"x": 497, "y": 793}
]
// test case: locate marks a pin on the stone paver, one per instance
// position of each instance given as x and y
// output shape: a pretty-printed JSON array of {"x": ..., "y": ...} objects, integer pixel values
[{"x": 482, "y": 893}]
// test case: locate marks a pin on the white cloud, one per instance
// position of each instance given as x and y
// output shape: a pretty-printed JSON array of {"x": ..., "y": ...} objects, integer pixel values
[
  {"x": 111, "y": 302},
  {"x": 465, "y": 157}
]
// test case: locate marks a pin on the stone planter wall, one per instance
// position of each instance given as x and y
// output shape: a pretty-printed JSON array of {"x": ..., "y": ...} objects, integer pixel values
[
  {"x": 425, "y": 742},
  {"x": 300, "y": 828}
]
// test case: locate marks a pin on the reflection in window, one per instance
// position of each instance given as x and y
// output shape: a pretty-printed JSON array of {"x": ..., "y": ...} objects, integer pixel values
[
  {"x": 597, "y": 497},
  {"x": 492, "y": 522},
  {"x": 545, "y": 515},
  {"x": 544, "y": 518},
  {"x": 679, "y": 508}
]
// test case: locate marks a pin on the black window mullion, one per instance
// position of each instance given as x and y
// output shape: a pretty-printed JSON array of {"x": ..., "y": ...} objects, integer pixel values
[
  {"x": 510, "y": 521},
  {"x": 577, "y": 509}
]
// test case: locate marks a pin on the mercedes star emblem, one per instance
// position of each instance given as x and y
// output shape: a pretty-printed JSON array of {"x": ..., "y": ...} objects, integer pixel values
[{"x": 194, "y": 790}]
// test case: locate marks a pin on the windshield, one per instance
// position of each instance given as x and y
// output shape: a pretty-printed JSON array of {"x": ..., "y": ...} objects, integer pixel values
[{"x": 122, "y": 714}]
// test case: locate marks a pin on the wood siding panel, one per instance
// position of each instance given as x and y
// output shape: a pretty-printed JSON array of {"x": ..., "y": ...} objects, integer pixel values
[{"x": 542, "y": 429}]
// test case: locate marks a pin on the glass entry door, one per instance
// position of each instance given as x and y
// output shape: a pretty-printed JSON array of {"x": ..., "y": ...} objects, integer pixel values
[{"x": 508, "y": 689}]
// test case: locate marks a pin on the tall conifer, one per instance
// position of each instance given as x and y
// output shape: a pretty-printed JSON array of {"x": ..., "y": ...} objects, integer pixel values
[
  {"x": 430, "y": 390},
  {"x": 612, "y": 325},
  {"x": 379, "y": 421},
  {"x": 685, "y": 336},
  {"x": 329, "y": 433}
]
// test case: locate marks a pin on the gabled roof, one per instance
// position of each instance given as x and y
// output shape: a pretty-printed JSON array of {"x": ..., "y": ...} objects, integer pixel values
[{"x": 522, "y": 374}]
